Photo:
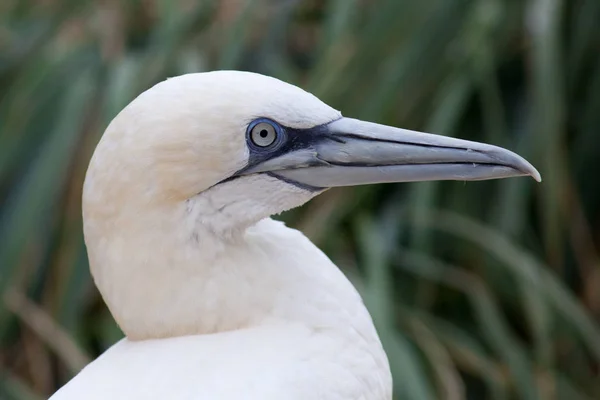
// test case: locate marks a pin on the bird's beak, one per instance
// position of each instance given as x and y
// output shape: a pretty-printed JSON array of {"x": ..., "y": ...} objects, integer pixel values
[{"x": 349, "y": 152}]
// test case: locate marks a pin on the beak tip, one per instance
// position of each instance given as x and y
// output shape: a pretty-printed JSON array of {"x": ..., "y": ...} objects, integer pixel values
[
  {"x": 533, "y": 172},
  {"x": 530, "y": 170},
  {"x": 519, "y": 163}
]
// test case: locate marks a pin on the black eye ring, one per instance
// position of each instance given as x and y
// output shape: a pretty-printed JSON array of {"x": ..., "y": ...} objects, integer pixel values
[{"x": 264, "y": 134}]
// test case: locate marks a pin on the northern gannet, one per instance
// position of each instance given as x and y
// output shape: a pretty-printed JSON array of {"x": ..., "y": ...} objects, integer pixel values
[{"x": 217, "y": 300}]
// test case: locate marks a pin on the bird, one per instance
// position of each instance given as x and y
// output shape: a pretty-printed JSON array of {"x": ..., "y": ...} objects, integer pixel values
[{"x": 216, "y": 299}]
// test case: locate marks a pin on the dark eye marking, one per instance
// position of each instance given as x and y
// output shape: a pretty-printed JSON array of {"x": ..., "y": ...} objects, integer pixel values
[{"x": 288, "y": 140}]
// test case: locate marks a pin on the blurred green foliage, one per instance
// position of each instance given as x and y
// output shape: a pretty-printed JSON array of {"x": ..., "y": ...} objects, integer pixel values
[{"x": 486, "y": 290}]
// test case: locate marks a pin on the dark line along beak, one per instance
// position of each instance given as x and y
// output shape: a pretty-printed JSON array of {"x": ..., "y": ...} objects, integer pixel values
[{"x": 349, "y": 152}]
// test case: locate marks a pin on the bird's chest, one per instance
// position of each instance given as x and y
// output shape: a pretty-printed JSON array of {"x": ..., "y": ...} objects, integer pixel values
[{"x": 262, "y": 363}]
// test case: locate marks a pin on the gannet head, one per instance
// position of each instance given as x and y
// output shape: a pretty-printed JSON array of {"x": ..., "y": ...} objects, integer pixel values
[
  {"x": 213, "y": 153},
  {"x": 258, "y": 146}
]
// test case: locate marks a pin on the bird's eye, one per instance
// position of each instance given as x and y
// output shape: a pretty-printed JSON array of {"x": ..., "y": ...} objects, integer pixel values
[{"x": 263, "y": 134}]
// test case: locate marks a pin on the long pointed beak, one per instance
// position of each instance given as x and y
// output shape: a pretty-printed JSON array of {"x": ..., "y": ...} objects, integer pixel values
[{"x": 349, "y": 152}]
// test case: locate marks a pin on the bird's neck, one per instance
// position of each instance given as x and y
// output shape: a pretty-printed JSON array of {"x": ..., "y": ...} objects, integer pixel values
[{"x": 167, "y": 277}]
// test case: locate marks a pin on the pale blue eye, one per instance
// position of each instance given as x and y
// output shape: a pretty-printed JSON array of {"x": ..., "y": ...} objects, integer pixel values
[{"x": 263, "y": 134}]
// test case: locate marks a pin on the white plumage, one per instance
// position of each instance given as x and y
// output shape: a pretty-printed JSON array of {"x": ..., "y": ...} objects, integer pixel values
[{"x": 217, "y": 300}]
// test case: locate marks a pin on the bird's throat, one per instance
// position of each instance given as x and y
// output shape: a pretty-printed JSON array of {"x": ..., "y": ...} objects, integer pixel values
[{"x": 162, "y": 279}]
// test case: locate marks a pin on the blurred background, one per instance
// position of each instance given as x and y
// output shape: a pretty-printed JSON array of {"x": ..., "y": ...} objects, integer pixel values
[{"x": 487, "y": 290}]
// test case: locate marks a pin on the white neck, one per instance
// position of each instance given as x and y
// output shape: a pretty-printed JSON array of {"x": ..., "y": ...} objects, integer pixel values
[{"x": 167, "y": 275}]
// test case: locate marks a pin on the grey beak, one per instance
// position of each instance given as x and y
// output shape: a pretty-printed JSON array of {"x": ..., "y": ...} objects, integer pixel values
[{"x": 349, "y": 152}]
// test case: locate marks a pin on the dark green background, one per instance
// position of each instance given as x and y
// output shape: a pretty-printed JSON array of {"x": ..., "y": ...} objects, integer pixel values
[{"x": 487, "y": 290}]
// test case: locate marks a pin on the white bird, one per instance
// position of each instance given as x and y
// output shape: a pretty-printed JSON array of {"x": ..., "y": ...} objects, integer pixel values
[{"x": 217, "y": 300}]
